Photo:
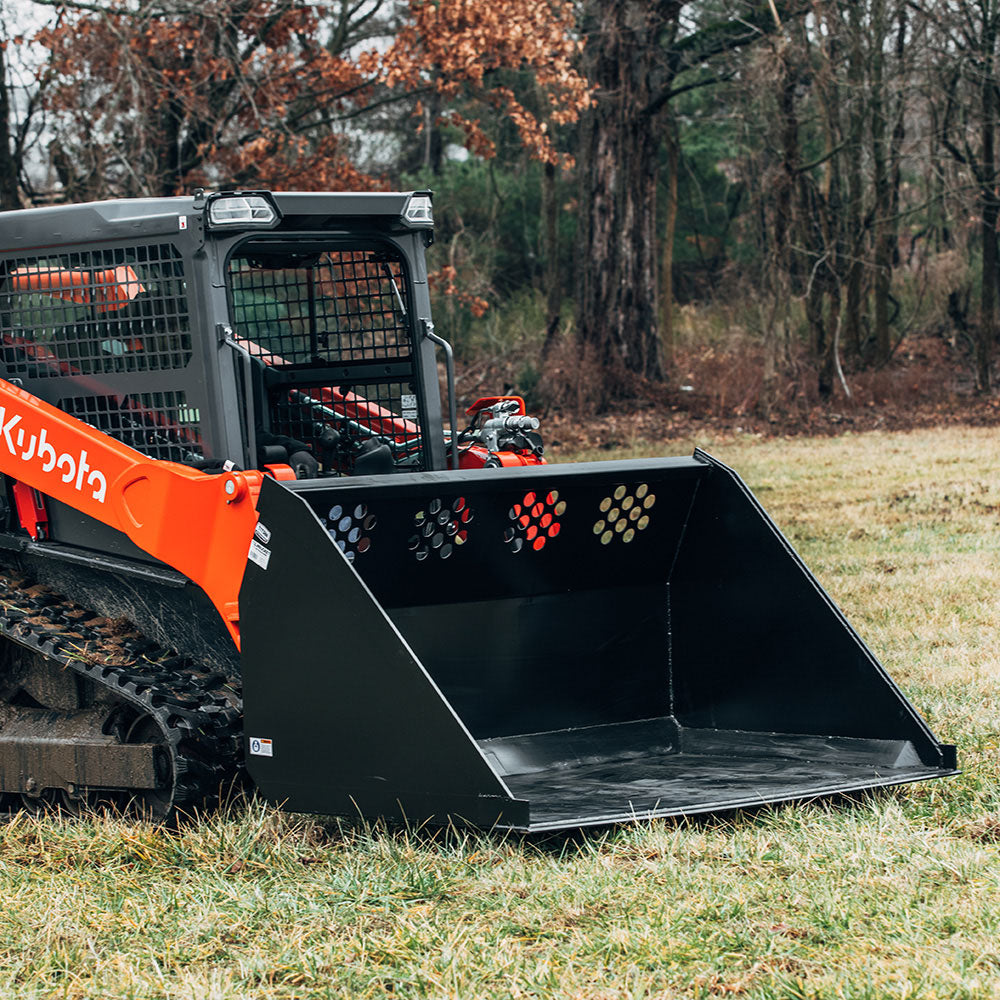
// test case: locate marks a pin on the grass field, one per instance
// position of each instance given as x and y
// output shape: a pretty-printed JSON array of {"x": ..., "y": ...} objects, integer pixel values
[{"x": 895, "y": 895}]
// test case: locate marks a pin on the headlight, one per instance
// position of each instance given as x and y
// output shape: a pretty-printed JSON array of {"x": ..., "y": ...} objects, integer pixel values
[
  {"x": 241, "y": 210},
  {"x": 418, "y": 211}
]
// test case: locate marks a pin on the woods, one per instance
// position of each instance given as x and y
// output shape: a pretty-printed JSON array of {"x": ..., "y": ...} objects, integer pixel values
[{"x": 777, "y": 202}]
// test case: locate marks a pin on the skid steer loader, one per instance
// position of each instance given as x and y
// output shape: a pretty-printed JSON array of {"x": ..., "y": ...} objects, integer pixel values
[{"x": 236, "y": 526}]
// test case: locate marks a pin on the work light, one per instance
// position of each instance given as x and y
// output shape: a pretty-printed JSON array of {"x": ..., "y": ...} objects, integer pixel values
[
  {"x": 418, "y": 209},
  {"x": 244, "y": 210}
]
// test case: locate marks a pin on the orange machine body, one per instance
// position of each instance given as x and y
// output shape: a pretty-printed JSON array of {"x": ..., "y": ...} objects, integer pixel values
[{"x": 199, "y": 524}]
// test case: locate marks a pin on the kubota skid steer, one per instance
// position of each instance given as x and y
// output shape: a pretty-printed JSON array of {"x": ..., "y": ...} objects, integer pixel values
[{"x": 235, "y": 526}]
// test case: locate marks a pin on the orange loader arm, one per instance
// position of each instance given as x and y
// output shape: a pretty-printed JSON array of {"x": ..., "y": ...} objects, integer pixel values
[
  {"x": 108, "y": 290},
  {"x": 201, "y": 525}
]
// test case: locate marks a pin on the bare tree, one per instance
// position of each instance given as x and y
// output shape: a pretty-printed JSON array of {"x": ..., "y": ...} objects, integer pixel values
[
  {"x": 21, "y": 88},
  {"x": 639, "y": 54},
  {"x": 165, "y": 94},
  {"x": 968, "y": 32}
]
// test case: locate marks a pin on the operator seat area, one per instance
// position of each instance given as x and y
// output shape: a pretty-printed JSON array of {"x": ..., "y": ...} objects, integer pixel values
[{"x": 292, "y": 427}]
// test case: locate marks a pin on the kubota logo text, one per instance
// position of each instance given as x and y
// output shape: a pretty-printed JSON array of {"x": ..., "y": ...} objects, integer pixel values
[{"x": 74, "y": 470}]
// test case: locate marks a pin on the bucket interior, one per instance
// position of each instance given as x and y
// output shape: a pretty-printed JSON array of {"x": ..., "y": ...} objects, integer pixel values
[
  {"x": 690, "y": 665},
  {"x": 584, "y": 711},
  {"x": 556, "y": 647}
]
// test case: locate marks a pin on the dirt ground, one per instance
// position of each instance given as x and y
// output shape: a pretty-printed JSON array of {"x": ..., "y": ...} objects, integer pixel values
[{"x": 641, "y": 421}]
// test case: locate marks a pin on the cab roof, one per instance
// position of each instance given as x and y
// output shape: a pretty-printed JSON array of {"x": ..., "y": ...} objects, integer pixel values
[{"x": 56, "y": 225}]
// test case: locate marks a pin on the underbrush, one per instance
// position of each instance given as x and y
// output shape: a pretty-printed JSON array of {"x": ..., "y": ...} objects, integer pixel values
[{"x": 713, "y": 376}]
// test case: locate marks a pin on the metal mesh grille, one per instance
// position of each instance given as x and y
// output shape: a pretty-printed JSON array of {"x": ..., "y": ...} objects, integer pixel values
[
  {"x": 335, "y": 307},
  {"x": 385, "y": 413},
  {"x": 159, "y": 424},
  {"x": 87, "y": 312}
]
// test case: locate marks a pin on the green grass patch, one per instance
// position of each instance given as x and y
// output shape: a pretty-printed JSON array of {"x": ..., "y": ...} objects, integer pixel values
[{"x": 895, "y": 894}]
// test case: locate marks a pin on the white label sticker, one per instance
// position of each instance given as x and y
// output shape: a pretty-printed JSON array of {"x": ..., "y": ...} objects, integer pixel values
[
  {"x": 258, "y": 554},
  {"x": 182, "y": 222},
  {"x": 261, "y": 747},
  {"x": 408, "y": 403},
  {"x": 262, "y": 534}
]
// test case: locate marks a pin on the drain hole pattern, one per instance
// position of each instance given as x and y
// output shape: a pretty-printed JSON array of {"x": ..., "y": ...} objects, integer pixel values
[
  {"x": 624, "y": 513},
  {"x": 534, "y": 521},
  {"x": 440, "y": 528},
  {"x": 351, "y": 528}
]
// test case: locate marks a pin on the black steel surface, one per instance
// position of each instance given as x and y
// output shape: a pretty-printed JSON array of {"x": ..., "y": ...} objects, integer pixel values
[
  {"x": 759, "y": 645},
  {"x": 684, "y": 785},
  {"x": 354, "y": 721},
  {"x": 598, "y": 676}
]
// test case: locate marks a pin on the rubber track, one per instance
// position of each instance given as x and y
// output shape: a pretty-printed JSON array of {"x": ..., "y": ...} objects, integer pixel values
[{"x": 198, "y": 710}]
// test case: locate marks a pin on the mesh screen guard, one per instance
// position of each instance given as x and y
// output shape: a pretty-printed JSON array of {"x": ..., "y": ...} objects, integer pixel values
[
  {"x": 159, "y": 424},
  {"x": 88, "y": 312},
  {"x": 330, "y": 307},
  {"x": 331, "y": 330},
  {"x": 73, "y": 321}
]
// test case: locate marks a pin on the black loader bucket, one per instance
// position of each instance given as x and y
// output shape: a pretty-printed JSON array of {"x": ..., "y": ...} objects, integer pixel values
[{"x": 553, "y": 647}]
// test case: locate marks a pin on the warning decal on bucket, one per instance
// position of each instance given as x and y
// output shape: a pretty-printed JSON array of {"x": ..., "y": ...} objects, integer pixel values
[
  {"x": 260, "y": 747},
  {"x": 259, "y": 554}
]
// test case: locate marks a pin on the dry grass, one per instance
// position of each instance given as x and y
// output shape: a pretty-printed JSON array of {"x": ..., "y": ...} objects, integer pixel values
[{"x": 896, "y": 895}]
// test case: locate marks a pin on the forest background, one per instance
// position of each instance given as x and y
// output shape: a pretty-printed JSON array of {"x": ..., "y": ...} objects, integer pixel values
[{"x": 773, "y": 215}]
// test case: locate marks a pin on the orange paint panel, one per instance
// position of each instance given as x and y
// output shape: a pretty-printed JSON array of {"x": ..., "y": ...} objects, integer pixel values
[
  {"x": 199, "y": 524},
  {"x": 283, "y": 473}
]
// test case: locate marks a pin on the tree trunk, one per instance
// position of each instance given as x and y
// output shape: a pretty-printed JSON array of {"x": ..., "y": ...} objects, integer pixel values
[
  {"x": 778, "y": 275},
  {"x": 9, "y": 195},
  {"x": 617, "y": 297},
  {"x": 168, "y": 150},
  {"x": 553, "y": 284},
  {"x": 433, "y": 146},
  {"x": 898, "y": 129},
  {"x": 854, "y": 229},
  {"x": 883, "y": 190},
  {"x": 669, "y": 229},
  {"x": 988, "y": 214}
]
